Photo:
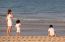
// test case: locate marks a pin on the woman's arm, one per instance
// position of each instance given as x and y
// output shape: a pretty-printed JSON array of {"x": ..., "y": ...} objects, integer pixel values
[{"x": 12, "y": 16}]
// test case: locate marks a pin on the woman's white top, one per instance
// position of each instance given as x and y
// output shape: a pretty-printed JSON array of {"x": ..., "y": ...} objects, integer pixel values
[
  {"x": 9, "y": 20},
  {"x": 18, "y": 27},
  {"x": 51, "y": 30}
]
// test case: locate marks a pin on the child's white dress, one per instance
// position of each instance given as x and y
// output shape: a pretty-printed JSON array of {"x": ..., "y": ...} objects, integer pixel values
[
  {"x": 51, "y": 30},
  {"x": 18, "y": 27},
  {"x": 9, "y": 20}
]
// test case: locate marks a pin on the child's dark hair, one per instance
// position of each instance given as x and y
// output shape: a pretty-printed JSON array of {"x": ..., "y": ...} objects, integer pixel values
[
  {"x": 17, "y": 21},
  {"x": 9, "y": 10},
  {"x": 51, "y": 26}
]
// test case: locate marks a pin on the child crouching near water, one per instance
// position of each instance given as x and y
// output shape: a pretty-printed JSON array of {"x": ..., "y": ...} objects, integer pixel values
[
  {"x": 18, "y": 26},
  {"x": 51, "y": 31}
]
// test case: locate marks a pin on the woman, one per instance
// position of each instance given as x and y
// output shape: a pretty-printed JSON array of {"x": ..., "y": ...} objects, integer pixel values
[{"x": 9, "y": 18}]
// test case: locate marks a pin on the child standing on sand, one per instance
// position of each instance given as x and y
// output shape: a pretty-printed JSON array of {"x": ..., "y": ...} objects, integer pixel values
[
  {"x": 18, "y": 26},
  {"x": 51, "y": 31}
]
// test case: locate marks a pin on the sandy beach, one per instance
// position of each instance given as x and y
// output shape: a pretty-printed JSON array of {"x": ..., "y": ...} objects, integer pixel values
[{"x": 31, "y": 39}]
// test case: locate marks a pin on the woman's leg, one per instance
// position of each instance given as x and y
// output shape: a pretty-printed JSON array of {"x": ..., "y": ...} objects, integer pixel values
[
  {"x": 10, "y": 27},
  {"x": 18, "y": 34},
  {"x": 9, "y": 30}
]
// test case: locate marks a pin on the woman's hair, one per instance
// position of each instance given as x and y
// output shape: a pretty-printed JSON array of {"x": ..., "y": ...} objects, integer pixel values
[
  {"x": 9, "y": 11},
  {"x": 51, "y": 26},
  {"x": 17, "y": 21}
]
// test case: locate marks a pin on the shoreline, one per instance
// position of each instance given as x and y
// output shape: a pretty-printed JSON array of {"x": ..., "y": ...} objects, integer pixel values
[{"x": 37, "y": 27}]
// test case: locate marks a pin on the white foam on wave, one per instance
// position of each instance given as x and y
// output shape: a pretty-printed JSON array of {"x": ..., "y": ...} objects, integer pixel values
[
  {"x": 25, "y": 19},
  {"x": 31, "y": 19},
  {"x": 36, "y": 19}
]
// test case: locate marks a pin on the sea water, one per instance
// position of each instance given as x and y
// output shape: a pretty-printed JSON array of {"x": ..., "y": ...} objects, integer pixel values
[{"x": 35, "y": 15}]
